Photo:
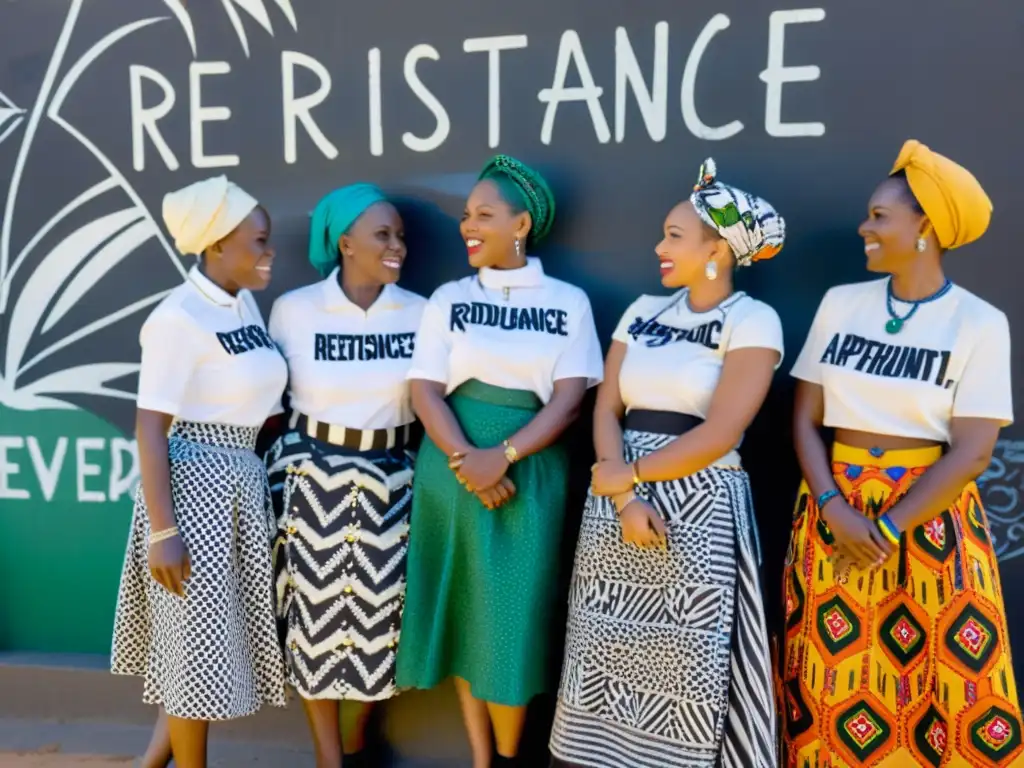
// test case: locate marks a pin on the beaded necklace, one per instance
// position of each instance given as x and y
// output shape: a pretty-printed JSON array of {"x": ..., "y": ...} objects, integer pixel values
[{"x": 895, "y": 323}]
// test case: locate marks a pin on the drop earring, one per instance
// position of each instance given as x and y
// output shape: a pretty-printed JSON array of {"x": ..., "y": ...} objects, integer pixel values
[
  {"x": 711, "y": 270},
  {"x": 921, "y": 244},
  {"x": 517, "y": 247}
]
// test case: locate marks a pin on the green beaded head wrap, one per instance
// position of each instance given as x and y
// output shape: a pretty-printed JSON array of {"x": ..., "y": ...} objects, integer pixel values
[{"x": 525, "y": 190}]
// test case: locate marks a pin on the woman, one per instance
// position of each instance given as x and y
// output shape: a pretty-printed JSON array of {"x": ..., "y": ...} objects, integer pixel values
[
  {"x": 341, "y": 476},
  {"x": 502, "y": 361},
  {"x": 666, "y": 651},
  {"x": 195, "y": 614},
  {"x": 896, "y": 650}
]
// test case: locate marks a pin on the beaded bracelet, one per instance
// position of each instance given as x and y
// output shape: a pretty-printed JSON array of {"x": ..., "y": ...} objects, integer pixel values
[
  {"x": 826, "y": 497},
  {"x": 629, "y": 500},
  {"x": 155, "y": 537},
  {"x": 888, "y": 529}
]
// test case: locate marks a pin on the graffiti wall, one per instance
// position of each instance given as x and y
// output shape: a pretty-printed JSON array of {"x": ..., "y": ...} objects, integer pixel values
[{"x": 106, "y": 106}]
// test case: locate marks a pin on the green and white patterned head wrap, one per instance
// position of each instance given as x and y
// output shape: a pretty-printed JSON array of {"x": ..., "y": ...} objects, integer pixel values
[
  {"x": 526, "y": 190},
  {"x": 749, "y": 224}
]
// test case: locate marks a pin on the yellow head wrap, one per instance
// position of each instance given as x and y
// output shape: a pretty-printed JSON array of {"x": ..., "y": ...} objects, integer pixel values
[{"x": 951, "y": 198}]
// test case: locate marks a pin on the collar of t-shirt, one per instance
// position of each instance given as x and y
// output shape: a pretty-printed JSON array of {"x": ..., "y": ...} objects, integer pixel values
[
  {"x": 531, "y": 275},
  {"x": 335, "y": 299},
  {"x": 214, "y": 292}
]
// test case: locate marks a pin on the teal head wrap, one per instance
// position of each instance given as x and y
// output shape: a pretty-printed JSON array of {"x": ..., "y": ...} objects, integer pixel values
[
  {"x": 333, "y": 216},
  {"x": 525, "y": 190}
]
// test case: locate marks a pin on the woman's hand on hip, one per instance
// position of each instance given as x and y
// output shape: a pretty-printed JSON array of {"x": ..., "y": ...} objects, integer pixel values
[
  {"x": 170, "y": 565},
  {"x": 642, "y": 525},
  {"x": 610, "y": 477},
  {"x": 480, "y": 468},
  {"x": 856, "y": 535}
]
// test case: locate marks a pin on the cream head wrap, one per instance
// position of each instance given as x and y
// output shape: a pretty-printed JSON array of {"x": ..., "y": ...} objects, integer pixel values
[
  {"x": 751, "y": 226},
  {"x": 204, "y": 213}
]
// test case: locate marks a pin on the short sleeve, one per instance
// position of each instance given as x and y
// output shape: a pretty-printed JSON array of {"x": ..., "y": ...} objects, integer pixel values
[
  {"x": 276, "y": 326},
  {"x": 582, "y": 358},
  {"x": 760, "y": 328},
  {"x": 808, "y": 364},
  {"x": 630, "y": 316},
  {"x": 168, "y": 360},
  {"x": 985, "y": 389},
  {"x": 433, "y": 345}
]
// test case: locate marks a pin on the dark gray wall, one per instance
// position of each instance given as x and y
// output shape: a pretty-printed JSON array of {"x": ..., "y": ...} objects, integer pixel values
[{"x": 874, "y": 73}]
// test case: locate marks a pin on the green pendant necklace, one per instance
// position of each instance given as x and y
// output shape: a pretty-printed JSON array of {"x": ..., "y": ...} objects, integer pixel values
[{"x": 895, "y": 323}]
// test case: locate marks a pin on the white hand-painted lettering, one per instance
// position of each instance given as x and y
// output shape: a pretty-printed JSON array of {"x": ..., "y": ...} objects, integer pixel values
[
  {"x": 8, "y": 469},
  {"x": 85, "y": 469},
  {"x": 653, "y": 104},
  {"x": 199, "y": 114},
  {"x": 694, "y": 124},
  {"x": 144, "y": 119},
  {"x": 493, "y": 46},
  {"x": 437, "y": 138},
  {"x": 376, "y": 116},
  {"x": 47, "y": 474},
  {"x": 297, "y": 109},
  {"x": 777, "y": 74},
  {"x": 570, "y": 51}
]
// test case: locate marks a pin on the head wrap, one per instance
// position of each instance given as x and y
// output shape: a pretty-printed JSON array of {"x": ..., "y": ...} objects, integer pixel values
[
  {"x": 751, "y": 226},
  {"x": 534, "y": 194},
  {"x": 204, "y": 213},
  {"x": 333, "y": 216},
  {"x": 951, "y": 198}
]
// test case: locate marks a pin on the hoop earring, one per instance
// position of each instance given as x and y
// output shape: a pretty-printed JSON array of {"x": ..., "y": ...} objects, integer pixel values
[
  {"x": 711, "y": 270},
  {"x": 921, "y": 244},
  {"x": 517, "y": 247}
]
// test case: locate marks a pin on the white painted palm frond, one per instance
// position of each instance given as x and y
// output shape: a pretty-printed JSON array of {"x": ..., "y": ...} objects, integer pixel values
[
  {"x": 48, "y": 277},
  {"x": 255, "y": 9},
  {"x": 11, "y": 116},
  {"x": 106, "y": 258},
  {"x": 88, "y": 379}
]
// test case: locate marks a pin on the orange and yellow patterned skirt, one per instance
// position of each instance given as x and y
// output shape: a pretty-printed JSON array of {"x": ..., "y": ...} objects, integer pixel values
[{"x": 903, "y": 665}]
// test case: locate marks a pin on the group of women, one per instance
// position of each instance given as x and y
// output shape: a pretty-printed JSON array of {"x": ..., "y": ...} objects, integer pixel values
[{"x": 358, "y": 560}]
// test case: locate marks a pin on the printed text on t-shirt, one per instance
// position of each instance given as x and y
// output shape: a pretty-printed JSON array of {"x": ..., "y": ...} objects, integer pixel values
[
  {"x": 244, "y": 340},
  {"x": 343, "y": 347},
  {"x": 892, "y": 361},
  {"x": 708, "y": 334},
  {"x": 552, "y": 321}
]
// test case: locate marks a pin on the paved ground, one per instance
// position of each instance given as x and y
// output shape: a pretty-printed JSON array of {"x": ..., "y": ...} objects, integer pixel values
[{"x": 56, "y": 744}]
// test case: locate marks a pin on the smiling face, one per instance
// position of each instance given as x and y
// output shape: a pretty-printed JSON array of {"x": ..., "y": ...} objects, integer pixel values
[
  {"x": 373, "y": 250},
  {"x": 491, "y": 225},
  {"x": 687, "y": 247},
  {"x": 893, "y": 225},
  {"x": 244, "y": 257}
]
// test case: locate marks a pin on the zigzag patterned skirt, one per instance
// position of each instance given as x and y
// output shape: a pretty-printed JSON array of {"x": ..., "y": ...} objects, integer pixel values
[
  {"x": 340, "y": 554},
  {"x": 212, "y": 654},
  {"x": 666, "y": 660}
]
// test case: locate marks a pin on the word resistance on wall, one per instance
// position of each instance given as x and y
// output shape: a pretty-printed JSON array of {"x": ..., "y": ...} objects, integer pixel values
[{"x": 650, "y": 93}]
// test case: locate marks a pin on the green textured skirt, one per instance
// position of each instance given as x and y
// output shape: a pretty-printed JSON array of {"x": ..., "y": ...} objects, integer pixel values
[{"x": 482, "y": 583}]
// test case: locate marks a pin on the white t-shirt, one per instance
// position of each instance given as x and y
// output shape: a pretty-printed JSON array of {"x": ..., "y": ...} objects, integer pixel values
[
  {"x": 206, "y": 356},
  {"x": 347, "y": 366},
  {"x": 674, "y": 355},
  {"x": 514, "y": 328},
  {"x": 950, "y": 359}
]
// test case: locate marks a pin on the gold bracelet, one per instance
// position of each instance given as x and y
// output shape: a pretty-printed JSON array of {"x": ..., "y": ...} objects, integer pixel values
[
  {"x": 155, "y": 537},
  {"x": 636, "y": 472}
]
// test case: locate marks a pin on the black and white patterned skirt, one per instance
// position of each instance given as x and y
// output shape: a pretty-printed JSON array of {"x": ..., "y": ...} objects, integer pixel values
[
  {"x": 214, "y": 653},
  {"x": 340, "y": 555},
  {"x": 666, "y": 659}
]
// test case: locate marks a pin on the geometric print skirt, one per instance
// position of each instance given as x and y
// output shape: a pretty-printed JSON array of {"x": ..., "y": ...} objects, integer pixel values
[
  {"x": 666, "y": 655},
  {"x": 212, "y": 654},
  {"x": 340, "y": 555},
  {"x": 903, "y": 665}
]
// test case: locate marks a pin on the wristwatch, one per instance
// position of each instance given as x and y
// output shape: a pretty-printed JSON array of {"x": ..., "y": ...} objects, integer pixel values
[{"x": 511, "y": 454}]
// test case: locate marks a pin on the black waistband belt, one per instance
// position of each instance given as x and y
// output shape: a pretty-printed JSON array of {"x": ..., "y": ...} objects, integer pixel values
[{"x": 661, "y": 422}]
